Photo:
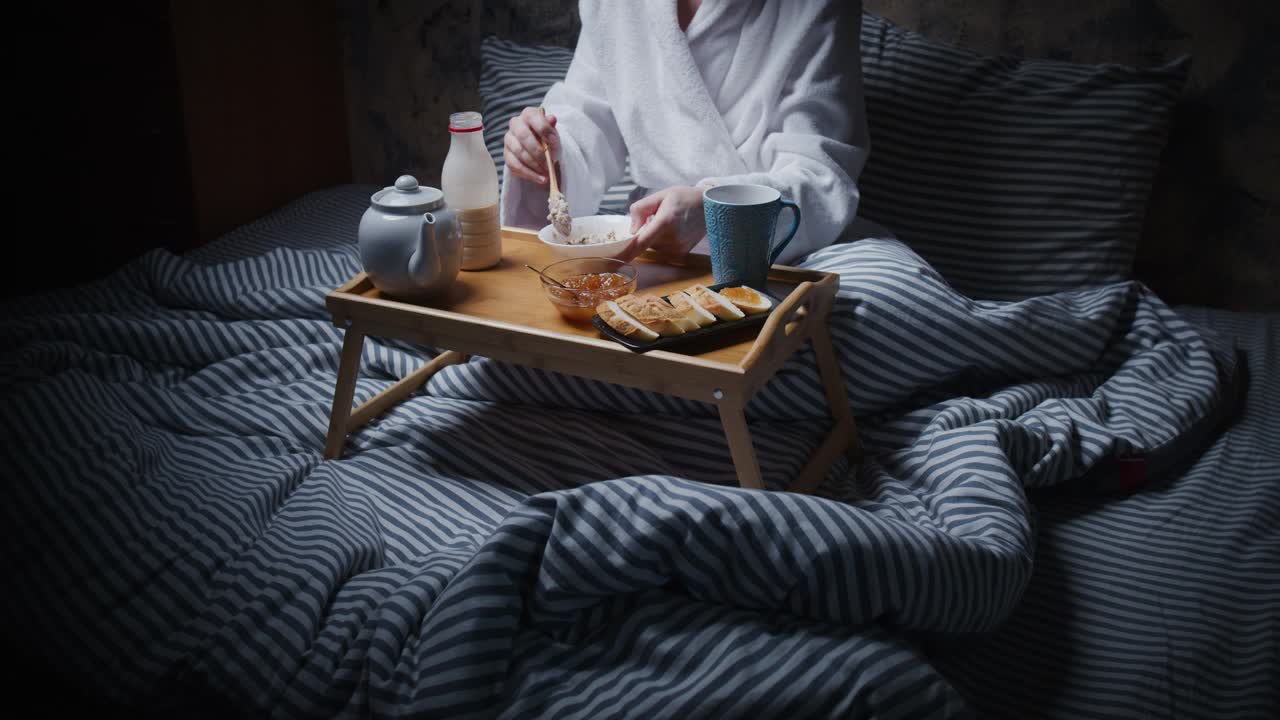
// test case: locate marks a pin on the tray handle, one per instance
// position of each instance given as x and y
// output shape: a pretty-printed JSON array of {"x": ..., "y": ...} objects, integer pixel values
[
  {"x": 810, "y": 302},
  {"x": 791, "y": 316}
]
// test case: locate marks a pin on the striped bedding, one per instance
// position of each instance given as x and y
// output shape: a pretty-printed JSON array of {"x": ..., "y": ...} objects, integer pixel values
[
  {"x": 519, "y": 544},
  {"x": 1013, "y": 177}
]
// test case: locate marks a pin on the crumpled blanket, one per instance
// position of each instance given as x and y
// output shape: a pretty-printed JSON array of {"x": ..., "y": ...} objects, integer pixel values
[{"x": 516, "y": 543}]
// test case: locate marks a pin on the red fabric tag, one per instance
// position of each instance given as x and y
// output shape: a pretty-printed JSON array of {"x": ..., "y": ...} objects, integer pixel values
[{"x": 1132, "y": 471}]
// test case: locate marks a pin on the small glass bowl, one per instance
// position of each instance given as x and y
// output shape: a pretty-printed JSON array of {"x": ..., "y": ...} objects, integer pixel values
[{"x": 580, "y": 305}]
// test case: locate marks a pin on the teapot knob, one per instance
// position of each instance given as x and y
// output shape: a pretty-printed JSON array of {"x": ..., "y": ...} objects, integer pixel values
[{"x": 406, "y": 183}]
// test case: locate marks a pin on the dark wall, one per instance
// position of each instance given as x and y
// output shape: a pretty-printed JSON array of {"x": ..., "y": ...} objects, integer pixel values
[
  {"x": 158, "y": 124},
  {"x": 408, "y": 64},
  {"x": 101, "y": 157},
  {"x": 1213, "y": 231},
  {"x": 263, "y": 102}
]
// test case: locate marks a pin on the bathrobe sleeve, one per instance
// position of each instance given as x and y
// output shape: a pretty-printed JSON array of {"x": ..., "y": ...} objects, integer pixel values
[
  {"x": 592, "y": 154},
  {"x": 816, "y": 141}
]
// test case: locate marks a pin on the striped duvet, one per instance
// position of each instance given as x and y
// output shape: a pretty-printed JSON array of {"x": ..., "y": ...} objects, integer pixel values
[{"x": 521, "y": 544}]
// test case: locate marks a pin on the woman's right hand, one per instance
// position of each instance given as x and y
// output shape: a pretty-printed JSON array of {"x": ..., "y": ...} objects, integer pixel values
[{"x": 522, "y": 146}]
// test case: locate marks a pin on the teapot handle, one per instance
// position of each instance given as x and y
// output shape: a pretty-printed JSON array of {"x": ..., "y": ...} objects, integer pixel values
[{"x": 422, "y": 265}]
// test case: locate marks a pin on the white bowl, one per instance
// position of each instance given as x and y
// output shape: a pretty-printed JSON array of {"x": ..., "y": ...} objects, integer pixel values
[{"x": 620, "y": 224}]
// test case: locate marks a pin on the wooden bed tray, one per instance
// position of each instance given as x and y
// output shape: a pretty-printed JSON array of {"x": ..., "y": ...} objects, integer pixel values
[{"x": 502, "y": 314}]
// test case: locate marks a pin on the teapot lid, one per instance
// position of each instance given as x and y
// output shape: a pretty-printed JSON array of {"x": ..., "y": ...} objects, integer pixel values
[{"x": 408, "y": 196}]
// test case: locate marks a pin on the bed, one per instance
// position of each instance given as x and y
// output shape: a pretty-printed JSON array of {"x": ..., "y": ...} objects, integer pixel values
[{"x": 1070, "y": 506}]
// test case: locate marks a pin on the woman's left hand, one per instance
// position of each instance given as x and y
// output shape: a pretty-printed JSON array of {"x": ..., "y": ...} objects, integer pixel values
[{"x": 670, "y": 221}]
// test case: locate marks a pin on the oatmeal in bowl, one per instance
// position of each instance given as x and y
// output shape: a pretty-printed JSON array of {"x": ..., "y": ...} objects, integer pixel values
[{"x": 591, "y": 236}]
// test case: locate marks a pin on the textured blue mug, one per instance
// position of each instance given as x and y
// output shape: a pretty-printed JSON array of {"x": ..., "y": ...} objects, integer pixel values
[{"x": 740, "y": 224}]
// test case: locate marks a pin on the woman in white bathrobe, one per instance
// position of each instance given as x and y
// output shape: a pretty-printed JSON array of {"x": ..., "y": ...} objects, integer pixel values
[{"x": 700, "y": 93}]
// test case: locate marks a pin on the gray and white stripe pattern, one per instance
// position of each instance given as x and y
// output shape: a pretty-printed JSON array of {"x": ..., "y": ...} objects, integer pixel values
[
  {"x": 1165, "y": 603},
  {"x": 514, "y": 77},
  {"x": 519, "y": 544},
  {"x": 1012, "y": 177}
]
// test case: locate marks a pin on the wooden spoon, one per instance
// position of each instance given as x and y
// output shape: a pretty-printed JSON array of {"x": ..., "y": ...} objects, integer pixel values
[
  {"x": 551, "y": 168},
  {"x": 557, "y": 207}
]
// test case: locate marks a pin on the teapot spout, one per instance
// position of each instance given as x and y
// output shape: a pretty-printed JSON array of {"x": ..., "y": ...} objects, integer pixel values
[{"x": 423, "y": 265}]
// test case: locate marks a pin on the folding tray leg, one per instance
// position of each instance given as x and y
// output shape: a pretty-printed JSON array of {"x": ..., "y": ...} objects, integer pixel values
[
  {"x": 837, "y": 397},
  {"x": 343, "y": 391},
  {"x": 844, "y": 430},
  {"x": 739, "y": 438},
  {"x": 408, "y": 385}
]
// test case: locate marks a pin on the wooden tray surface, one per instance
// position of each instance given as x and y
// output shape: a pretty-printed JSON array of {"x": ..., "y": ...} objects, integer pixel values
[{"x": 511, "y": 294}]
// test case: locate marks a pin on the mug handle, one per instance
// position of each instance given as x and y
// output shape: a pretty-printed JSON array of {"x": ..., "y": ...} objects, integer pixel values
[{"x": 795, "y": 225}]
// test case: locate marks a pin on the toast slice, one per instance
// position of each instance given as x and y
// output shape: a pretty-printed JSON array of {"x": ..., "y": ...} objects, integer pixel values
[
  {"x": 654, "y": 313},
  {"x": 714, "y": 303},
  {"x": 686, "y": 323},
  {"x": 748, "y": 300},
  {"x": 620, "y": 320},
  {"x": 690, "y": 309}
]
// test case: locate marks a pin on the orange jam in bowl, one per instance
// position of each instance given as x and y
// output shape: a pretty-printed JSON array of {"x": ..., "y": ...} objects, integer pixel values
[{"x": 587, "y": 283}]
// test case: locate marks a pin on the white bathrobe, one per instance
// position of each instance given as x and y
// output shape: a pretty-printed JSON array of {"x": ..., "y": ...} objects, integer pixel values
[{"x": 756, "y": 91}]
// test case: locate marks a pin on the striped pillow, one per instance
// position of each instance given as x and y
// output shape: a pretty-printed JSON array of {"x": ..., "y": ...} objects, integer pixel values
[
  {"x": 513, "y": 77},
  {"x": 1012, "y": 177}
]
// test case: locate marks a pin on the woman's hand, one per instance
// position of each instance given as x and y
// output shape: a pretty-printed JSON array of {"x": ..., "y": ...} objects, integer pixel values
[
  {"x": 522, "y": 146},
  {"x": 670, "y": 221}
]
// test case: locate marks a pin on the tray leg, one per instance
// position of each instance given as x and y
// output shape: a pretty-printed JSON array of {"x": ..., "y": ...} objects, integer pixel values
[
  {"x": 392, "y": 396},
  {"x": 343, "y": 391},
  {"x": 843, "y": 435},
  {"x": 815, "y": 471},
  {"x": 739, "y": 438},
  {"x": 837, "y": 399}
]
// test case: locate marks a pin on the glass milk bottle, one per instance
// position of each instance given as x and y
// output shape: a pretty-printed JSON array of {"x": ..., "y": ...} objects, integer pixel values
[{"x": 470, "y": 184}]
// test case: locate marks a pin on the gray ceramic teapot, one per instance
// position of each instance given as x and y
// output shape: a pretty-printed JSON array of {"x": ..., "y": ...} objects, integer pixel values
[{"x": 410, "y": 241}]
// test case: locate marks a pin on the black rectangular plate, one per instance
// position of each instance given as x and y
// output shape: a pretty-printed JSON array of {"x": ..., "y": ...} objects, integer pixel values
[{"x": 694, "y": 337}]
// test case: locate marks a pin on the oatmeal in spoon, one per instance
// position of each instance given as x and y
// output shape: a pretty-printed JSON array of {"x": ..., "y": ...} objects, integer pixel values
[{"x": 559, "y": 212}]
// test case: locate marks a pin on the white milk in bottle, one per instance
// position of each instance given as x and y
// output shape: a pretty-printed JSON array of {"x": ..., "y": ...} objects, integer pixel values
[{"x": 470, "y": 184}]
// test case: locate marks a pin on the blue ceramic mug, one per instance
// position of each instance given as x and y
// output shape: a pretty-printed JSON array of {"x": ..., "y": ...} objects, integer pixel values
[{"x": 740, "y": 224}]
